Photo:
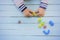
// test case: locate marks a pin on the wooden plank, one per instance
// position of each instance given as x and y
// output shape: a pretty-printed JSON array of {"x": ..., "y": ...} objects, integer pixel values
[
  {"x": 27, "y": 29},
  {"x": 25, "y": 20},
  {"x": 11, "y": 10},
  {"x": 30, "y": 2},
  {"x": 28, "y": 38},
  {"x": 13, "y": 7}
]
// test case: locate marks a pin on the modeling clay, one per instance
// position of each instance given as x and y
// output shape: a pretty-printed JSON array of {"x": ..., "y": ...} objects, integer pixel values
[
  {"x": 51, "y": 23},
  {"x": 34, "y": 14},
  {"x": 44, "y": 26},
  {"x": 41, "y": 24},
  {"x": 19, "y": 22},
  {"x": 39, "y": 20},
  {"x": 46, "y": 32}
]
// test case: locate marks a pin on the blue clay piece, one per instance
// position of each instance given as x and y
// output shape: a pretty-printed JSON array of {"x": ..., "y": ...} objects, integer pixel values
[
  {"x": 46, "y": 32},
  {"x": 51, "y": 23}
]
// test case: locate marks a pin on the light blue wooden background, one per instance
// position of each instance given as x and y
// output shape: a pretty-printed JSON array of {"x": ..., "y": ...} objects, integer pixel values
[{"x": 28, "y": 30}]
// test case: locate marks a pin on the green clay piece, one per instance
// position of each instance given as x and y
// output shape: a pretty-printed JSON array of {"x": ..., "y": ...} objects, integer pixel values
[
  {"x": 41, "y": 25},
  {"x": 39, "y": 20}
]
